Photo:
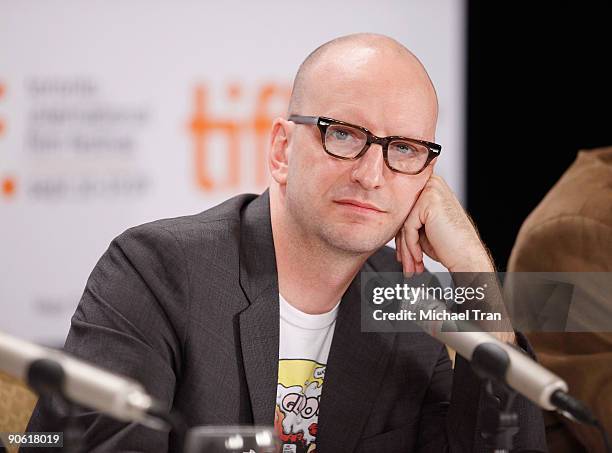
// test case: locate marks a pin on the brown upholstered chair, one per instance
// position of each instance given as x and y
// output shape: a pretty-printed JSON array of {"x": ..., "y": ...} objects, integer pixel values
[{"x": 16, "y": 405}]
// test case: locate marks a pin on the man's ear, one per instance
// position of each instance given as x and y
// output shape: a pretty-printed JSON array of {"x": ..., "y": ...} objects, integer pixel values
[{"x": 278, "y": 157}]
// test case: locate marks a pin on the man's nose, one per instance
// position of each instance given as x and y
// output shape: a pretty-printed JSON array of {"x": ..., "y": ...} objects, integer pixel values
[{"x": 369, "y": 169}]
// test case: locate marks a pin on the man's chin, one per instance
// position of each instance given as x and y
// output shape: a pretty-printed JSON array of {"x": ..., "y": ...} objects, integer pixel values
[{"x": 355, "y": 239}]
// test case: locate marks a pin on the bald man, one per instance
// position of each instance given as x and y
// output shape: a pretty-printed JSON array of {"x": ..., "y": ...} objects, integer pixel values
[{"x": 249, "y": 313}]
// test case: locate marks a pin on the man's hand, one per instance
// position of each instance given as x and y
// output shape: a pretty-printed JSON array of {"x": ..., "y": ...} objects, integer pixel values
[{"x": 439, "y": 227}]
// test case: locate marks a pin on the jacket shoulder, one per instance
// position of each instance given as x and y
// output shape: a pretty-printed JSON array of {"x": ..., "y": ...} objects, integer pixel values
[
  {"x": 224, "y": 213},
  {"x": 215, "y": 225}
]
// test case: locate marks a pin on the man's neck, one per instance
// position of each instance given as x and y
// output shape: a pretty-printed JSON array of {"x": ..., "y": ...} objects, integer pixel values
[{"x": 311, "y": 276}]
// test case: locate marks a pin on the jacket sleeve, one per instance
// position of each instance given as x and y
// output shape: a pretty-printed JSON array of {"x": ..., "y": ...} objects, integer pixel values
[
  {"x": 129, "y": 322},
  {"x": 453, "y": 423}
]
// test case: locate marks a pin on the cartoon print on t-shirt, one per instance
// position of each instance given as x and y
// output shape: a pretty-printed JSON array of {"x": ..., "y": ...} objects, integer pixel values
[{"x": 297, "y": 404}]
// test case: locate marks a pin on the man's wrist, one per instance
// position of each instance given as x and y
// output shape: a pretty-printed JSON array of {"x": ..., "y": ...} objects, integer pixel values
[
  {"x": 480, "y": 260},
  {"x": 475, "y": 265}
]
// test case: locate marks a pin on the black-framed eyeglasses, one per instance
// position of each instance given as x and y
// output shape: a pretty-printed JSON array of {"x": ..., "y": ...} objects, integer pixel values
[{"x": 347, "y": 141}]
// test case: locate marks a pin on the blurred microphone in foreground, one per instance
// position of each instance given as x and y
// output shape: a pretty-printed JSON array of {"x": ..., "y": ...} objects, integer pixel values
[{"x": 51, "y": 372}]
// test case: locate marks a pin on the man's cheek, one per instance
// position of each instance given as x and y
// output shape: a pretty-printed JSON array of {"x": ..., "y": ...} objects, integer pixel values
[
  {"x": 394, "y": 225},
  {"x": 410, "y": 200},
  {"x": 420, "y": 185},
  {"x": 403, "y": 208}
]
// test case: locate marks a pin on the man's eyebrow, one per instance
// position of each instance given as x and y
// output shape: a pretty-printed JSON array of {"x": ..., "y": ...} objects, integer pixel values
[
  {"x": 361, "y": 121},
  {"x": 355, "y": 118}
]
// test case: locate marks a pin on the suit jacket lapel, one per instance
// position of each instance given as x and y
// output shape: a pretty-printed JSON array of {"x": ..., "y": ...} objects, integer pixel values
[
  {"x": 259, "y": 322},
  {"x": 355, "y": 369}
]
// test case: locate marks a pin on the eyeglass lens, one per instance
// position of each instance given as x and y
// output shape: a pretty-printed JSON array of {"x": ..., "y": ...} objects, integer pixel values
[{"x": 346, "y": 141}]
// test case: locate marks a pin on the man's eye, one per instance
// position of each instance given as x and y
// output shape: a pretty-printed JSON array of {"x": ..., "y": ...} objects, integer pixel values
[
  {"x": 341, "y": 134},
  {"x": 404, "y": 148}
]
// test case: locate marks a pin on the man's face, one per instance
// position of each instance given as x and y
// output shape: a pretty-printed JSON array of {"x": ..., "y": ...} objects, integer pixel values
[{"x": 329, "y": 197}]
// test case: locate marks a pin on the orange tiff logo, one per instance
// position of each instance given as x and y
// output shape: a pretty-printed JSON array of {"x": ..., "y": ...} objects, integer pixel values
[
  {"x": 7, "y": 183},
  {"x": 203, "y": 126}
]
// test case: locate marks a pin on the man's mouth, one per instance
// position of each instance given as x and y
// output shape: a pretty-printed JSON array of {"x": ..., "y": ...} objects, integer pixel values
[{"x": 360, "y": 206}]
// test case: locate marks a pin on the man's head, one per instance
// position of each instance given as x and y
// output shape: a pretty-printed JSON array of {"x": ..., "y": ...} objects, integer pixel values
[{"x": 368, "y": 80}]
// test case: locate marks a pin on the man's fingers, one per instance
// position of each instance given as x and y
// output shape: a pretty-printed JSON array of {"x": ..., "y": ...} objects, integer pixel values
[
  {"x": 398, "y": 251},
  {"x": 420, "y": 267},
  {"x": 410, "y": 233},
  {"x": 412, "y": 242},
  {"x": 413, "y": 261},
  {"x": 407, "y": 260},
  {"x": 426, "y": 246}
]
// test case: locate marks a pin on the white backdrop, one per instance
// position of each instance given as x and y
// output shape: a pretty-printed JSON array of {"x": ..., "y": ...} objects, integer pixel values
[{"x": 115, "y": 113}]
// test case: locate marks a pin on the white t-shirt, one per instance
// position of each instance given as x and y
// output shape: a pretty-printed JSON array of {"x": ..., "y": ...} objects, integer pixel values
[{"x": 303, "y": 349}]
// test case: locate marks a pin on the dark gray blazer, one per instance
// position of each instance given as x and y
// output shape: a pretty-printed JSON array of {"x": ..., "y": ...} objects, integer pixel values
[{"x": 189, "y": 307}]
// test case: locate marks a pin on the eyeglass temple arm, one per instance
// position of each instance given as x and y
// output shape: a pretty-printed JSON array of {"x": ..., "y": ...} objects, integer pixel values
[{"x": 304, "y": 119}]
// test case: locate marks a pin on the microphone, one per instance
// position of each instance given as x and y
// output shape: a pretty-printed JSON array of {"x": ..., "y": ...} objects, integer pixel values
[
  {"x": 85, "y": 384},
  {"x": 492, "y": 357},
  {"x": 504, "y": 362},
  {"x": 523, "y": 374}
]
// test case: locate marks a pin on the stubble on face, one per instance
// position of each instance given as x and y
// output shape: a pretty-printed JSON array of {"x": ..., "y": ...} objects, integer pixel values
[{"x": 335, "y": 226}]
